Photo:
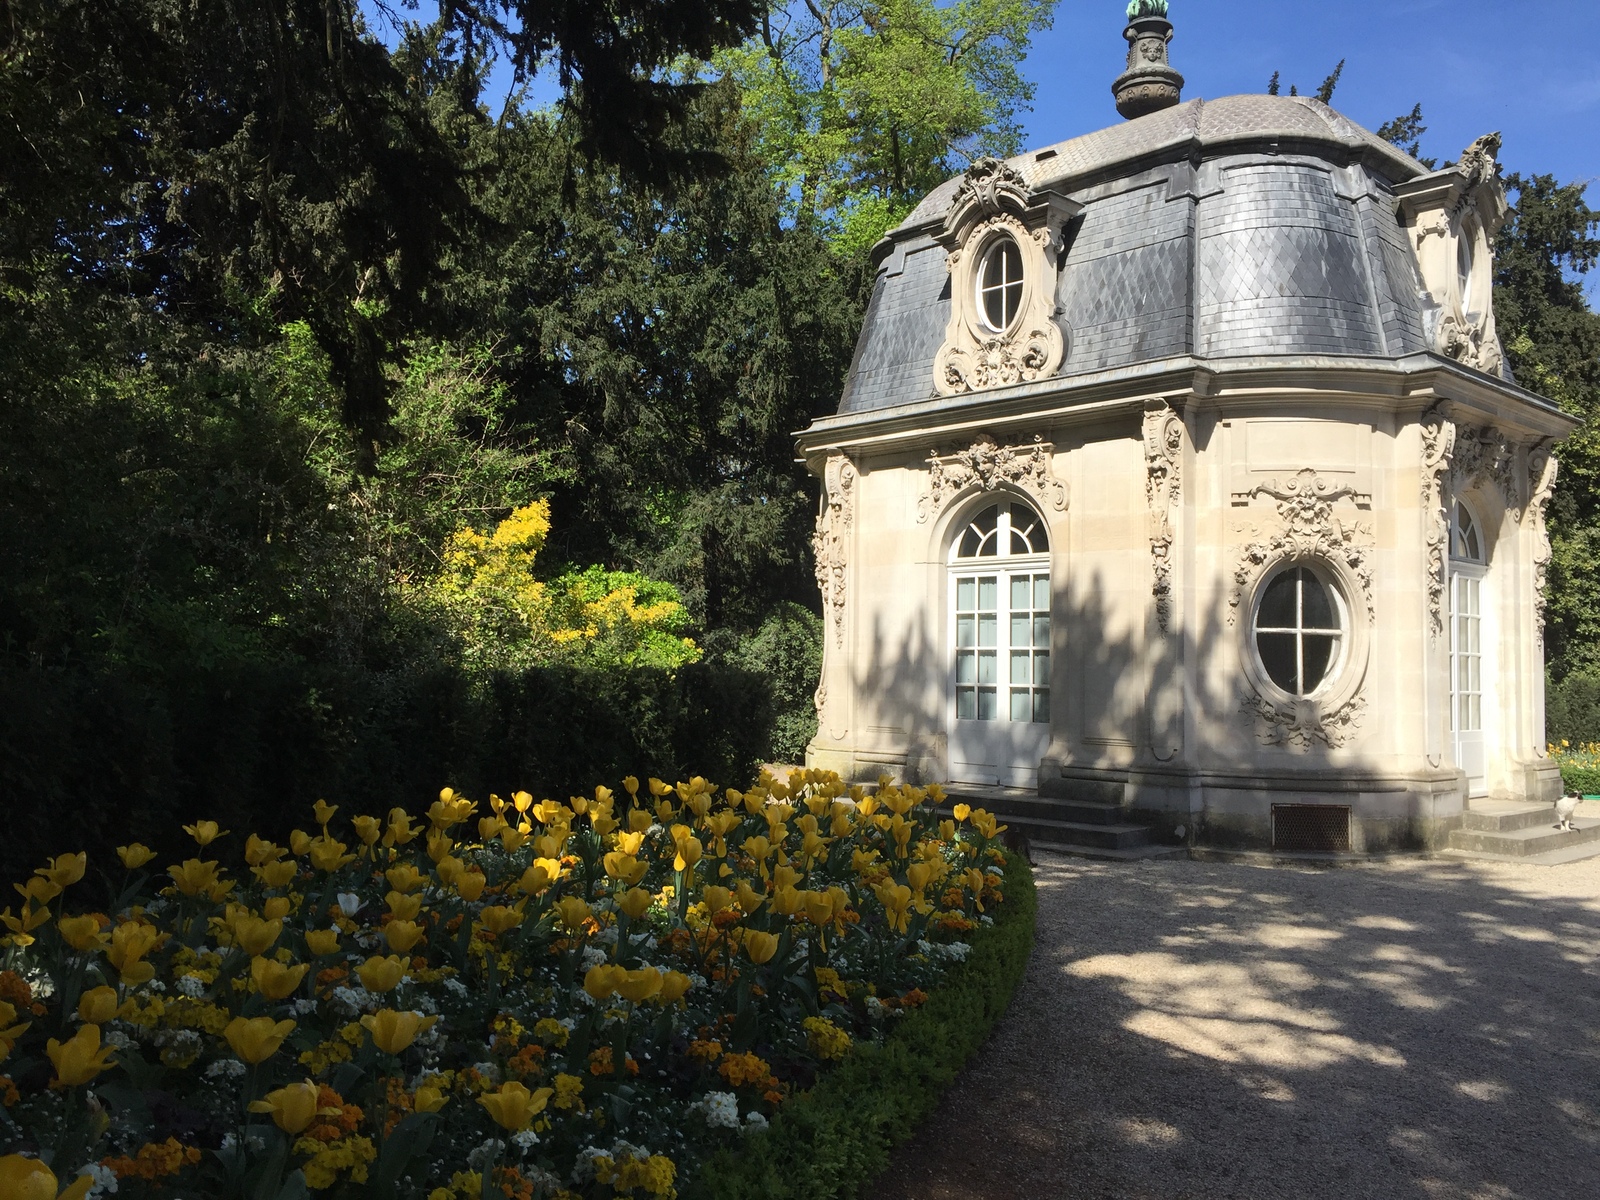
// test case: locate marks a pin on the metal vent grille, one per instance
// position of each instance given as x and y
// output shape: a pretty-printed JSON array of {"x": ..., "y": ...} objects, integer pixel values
[{"x": 1311, "y": 828}]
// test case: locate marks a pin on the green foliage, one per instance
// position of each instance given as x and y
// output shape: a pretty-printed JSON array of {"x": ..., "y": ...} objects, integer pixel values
[
  {"x": 1325, "y": 89},
  {"x": 1405, "y": 133},
  {"x": 863, "y": 109},
  {"x": 833, "y": 1140},
  {"x": 1553, "y": 343},
  {"x": 1572, "y": 709},
  {"x": 1146, "y": 8},
  {"x": 787, "y": 652}
]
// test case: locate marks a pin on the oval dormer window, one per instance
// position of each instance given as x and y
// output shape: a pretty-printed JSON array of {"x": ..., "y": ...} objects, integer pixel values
[{"x": 1000, "y": 285}]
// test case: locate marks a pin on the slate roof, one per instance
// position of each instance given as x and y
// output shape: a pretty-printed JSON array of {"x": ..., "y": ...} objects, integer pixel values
[{"x": 1244, "y": 226}]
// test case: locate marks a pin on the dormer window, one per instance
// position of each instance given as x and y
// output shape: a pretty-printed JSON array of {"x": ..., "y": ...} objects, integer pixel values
[
  {"x": 1000, "y": 285},
  {"x": 1466, "y": 262}
]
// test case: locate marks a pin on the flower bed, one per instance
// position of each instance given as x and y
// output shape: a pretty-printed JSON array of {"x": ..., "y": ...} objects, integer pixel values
[
  {"x": 587, "y": 999},
  {"x": 1580, "y": 766}
]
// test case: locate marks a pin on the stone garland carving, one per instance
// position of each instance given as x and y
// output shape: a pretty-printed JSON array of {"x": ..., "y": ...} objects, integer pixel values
[
  {"x": 1305, "y": 506},
  {"x": 1438, "y": 451},
  {"x": 1163, "y": 485},
  {"x": 1302, "y": 724},
  {"x": 987, "y": 466},
  {"x": 1542, "y": 471},
  {"x": 994, "y": 202},
  {"x": 831, "y": 543}
]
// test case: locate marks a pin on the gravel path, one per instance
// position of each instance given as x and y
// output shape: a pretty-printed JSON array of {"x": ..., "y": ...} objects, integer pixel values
[{"x": 1189, "y": 1031}]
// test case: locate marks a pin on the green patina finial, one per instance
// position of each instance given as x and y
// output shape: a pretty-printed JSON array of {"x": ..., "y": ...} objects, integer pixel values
[{"x": 1146, "y": 8}]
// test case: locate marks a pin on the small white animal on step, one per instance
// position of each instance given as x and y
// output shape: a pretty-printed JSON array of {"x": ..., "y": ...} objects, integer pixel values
[{"x": 1565, "y": 807}]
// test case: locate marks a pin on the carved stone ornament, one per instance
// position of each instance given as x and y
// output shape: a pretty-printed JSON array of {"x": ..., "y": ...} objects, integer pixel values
[
  {"x": 1309, "y": 530},
  {"x": 994, "y": 204},
  {"x": 1486, "y": 458},
  {"x": 1454, "y": 215},
  {"x": 986, "y": 466},
  {"x": 1163, "y": 486},
  {"x": 831, "y": 543},
  {"x": 1302, "y": 724},
  {"x": 1542, "y": 471},
  {"x": 1149, "y": 84},
  {"x": 1438, "y": 450}
]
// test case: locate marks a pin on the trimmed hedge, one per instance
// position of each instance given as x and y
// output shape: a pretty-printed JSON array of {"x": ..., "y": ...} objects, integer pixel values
[
  {"x": 834, "y": 1140},
  {"x": 1584, "y": 779}
]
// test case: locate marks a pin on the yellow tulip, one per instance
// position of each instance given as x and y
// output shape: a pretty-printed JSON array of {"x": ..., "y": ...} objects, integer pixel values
[
  {"x": 135, "y": 855},
  {"x": 381, "y": 974},
  {"x": 674, "y": 984},
  {"x": 638, "y": 986},
  {"x": 275, "y": 874},
  {"x": 788, "y": 900},
  {"x": 760, "y": 946},
  {"x": 602, "y": 980},
  {"x": 497, "y": 918},
  {"x": 255, "y": 936},
  {"x": 535, "y": 880},
  {"x": 624, "y": 868},
  {"x": 450, "y": 869},
  {"x": 37, "y": 891},
  {"x": 329, "y": 855},
  {"x": 402, "y": 935},
  {"x": 275, "y": 908},
  {"x": 299, "y": 842},
  {"x": 81, "y": 933},
  {"x": 511, "y": 839},
  {"x": 392, "y": 1032},
  {"x": 489, "y": 828},
  {"x": 130, "y": 942},
  {"x": 293, "y": 1107},
  {"x": 205, "y": 832},
  {"x": 403, "y": 877},
  {"x": 9, "y": 1033},
  {"x": 368, "y": 829},
  {"x": 80, "y": 1058},
  {"x": 274, "y": 980},
  {"x": 323, "y": 811},
  {"x": 688, "y": 847},
  {"x": 571, "y": 912},
  {"x": 65, "y": 870},
  {"x": 29, "y": 1179},
  {"x": 758, "y": 848},
  {"x": 428, "y": 1099},
  {"x": 749, "y": 898},
  {"x": 896, "y": 901},
  {"x": 256, "y": 1039},
  {"x": 404, "y": 907},
  {"x": 323, "y": 941},
  {"x": 469, "y": 886},
  {"x": 630, "y": 843},
  {"x": 717, "y": 898},
  {"x": 400, "y": 831},
  {"x": 258, "y": 850},
  {"x": 514, "y": 1107},
  {"x": 95, "y": 1007},
  {"x": 439, "y": 845},
  {"x": 639, "y": 820},
  {"x": 635, "y": 902},
  {"x": 196, "y": 878}
]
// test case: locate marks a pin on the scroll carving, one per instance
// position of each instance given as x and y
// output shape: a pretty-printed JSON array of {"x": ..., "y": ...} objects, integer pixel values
[
  {"x": 1309, "y": 529},
  {"x": 831, "y": 544},
  {"x": 1486, "y": 458},
  {"x": 1163, "y": 484},
  {"x": 987, "y": 466},
  {"x": 1438, "y": 450},
  {"x": 1302, "y": 725}
]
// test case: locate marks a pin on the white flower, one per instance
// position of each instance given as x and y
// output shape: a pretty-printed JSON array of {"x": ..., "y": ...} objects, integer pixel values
[
  {"x": 985, "y": 919},
  {"x": 608, "y": 935},
  {"x": 594, "y": 957},
  {"x": 696, "y": 980},
  {"x": 115, "y": 1037},
  {"x": 489, "y": 1070},
  {"x": 485, "y": 1154},
  {"x": 958, "y": 951},
  {"x": 192, "y": 986},
  {"x": 754, "y": 1122},
  {"x": 720, "y": 1109},
  {"x": 304, "y": 1007},
  {"x": 525, "y": 1141},
  {"x": 568, "y": 1023},
  {"x": 456, "y": 987},
  {"x": 353, "y": 1000},
  {"x": 232, "y": 1068},
  {"x": 105, "y": 1180},
  {"x": 349, "y": 903},
  {"x": 875, "y": 1008}
]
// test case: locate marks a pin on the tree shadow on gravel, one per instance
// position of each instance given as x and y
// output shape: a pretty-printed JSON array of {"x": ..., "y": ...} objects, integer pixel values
[{"x": 1189, "y": 1030}]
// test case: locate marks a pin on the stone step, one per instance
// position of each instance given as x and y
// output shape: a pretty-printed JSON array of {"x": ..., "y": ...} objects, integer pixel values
[
  {"x": 1133, "y": 854},
  {"x": 1030, "y": 806},
  {"x": 1504, "y": 817},
  {"x": 1526, "y": 842},
  {"x": 1550, "y": 858}
]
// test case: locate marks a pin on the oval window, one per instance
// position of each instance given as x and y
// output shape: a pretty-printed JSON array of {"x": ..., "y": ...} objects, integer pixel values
[
  {"x": 1299, "y": 630},
  {"x": 1000, "y": 285}
]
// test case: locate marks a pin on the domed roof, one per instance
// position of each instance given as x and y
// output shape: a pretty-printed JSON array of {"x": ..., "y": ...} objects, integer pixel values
[{"x": 1242, "y": 227}]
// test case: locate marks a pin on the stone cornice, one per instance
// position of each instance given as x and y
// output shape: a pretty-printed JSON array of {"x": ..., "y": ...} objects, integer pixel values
[{"x": 1272, "y": 384}]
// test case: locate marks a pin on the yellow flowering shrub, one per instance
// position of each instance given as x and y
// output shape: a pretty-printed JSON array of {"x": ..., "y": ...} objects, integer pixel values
[{"x": 509, "y": 1000}]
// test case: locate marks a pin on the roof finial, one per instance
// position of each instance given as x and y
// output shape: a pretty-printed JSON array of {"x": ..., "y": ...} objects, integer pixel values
[{"x": 1149, "y": 84}]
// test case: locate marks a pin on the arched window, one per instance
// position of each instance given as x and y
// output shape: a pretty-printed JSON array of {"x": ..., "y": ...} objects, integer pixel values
[
  {"x": 1000, "y": 571},
  {"x": 1469, "y": 567},
  {"x": 1000, "y": 285},
  {"x": 1299, "y": 630},
  {"x": 1466, "y": 543}
]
